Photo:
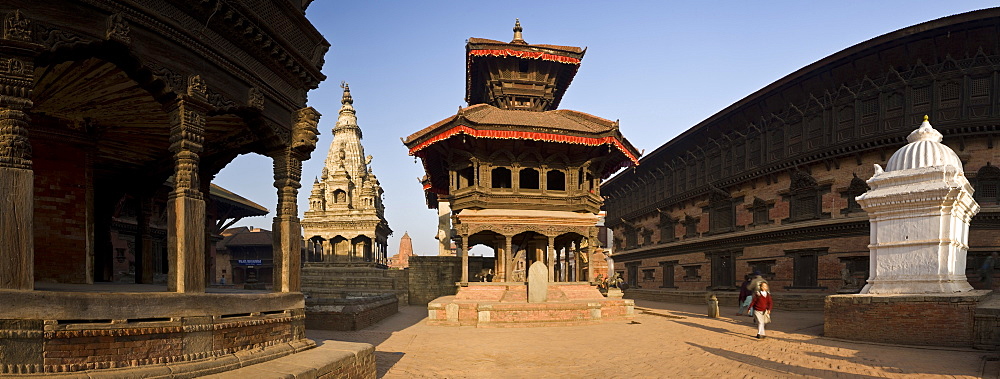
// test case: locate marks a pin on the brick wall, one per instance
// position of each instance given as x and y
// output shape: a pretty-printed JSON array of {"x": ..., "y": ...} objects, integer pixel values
[
  {"x": 349, "y": 314},
  {"x": 932, "y": 319},
  {"x": 431, "y": 277},
  {"x": 60, "y": 224}
]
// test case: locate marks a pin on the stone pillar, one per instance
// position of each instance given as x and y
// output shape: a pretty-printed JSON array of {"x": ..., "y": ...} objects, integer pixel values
[
  {"x": 186, "y": 203},
  {"x": 444, "y": 228},
  {"x": 589, "y": 254},
  {"x": 16, "y": 174},
  {"x": 550, "y": 258},
  {"x": 465, "y": 258}
]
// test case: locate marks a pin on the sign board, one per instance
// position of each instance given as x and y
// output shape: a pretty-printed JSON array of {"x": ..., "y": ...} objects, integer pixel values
[{"x": 249, "y": 262}]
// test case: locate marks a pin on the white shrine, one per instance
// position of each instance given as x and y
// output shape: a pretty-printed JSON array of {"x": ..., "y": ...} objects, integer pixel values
[{"x": 920, "y": 207}]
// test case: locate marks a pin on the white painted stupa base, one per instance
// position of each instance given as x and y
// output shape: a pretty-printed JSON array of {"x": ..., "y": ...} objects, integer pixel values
[{"x": 935, "y": 284}]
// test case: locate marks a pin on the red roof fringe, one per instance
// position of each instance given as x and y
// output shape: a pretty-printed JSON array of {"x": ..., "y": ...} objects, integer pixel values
[
  {"x": 513, "y": 134},
  {"x": 525, "y": 54}
]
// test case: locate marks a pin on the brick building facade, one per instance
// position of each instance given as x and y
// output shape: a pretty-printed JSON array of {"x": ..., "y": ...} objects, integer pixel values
[{"x": 768, "y": 184}]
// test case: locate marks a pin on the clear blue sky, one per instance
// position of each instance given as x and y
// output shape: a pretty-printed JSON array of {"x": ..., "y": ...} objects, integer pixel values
[{"x": 658, "y": 66}]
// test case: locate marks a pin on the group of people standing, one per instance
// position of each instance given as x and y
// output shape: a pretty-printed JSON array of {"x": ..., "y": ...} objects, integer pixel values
[{"x": 756, "y": 301}]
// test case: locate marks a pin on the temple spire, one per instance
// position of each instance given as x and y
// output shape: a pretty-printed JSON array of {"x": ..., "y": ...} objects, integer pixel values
[
  {"x": 518, "y": 38},
  {"x": 347, "y": 99}
]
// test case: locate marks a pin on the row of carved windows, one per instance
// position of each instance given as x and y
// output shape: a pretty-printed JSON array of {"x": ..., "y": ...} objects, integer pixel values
[
  {"x": 796, "y": 132},
  {"x": 528, "y": 178},
  {"x": 724, "y": 273}
]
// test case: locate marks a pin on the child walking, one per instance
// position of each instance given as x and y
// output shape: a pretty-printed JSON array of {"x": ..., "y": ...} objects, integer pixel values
[{"x": 760, "y": 308}]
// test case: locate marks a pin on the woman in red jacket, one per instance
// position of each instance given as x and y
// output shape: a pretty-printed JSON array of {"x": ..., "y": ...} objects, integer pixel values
[{"x": 760, "y": 308}]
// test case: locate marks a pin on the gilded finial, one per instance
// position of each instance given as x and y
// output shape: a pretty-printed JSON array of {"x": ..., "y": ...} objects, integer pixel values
[
  {"x": 927, "y": 118},
  {"x": 347, "y": 99},
  {"x": 518, "y": 38}
]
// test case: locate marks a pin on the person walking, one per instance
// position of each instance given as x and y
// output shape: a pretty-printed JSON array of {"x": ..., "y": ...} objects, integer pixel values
[
  {"x": 760, "y": 308},
  {"x": 745, "y": 293}
]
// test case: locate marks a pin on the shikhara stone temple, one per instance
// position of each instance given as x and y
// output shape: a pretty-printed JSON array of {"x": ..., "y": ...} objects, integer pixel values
[
  {"x": 522, "y": 177},
  {"x": 346, "y": 217}
]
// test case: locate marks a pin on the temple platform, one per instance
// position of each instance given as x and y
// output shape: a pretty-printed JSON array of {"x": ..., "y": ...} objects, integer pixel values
[
  {"x": 65, "y": 328},
  {"x": 505, "y": 305}
]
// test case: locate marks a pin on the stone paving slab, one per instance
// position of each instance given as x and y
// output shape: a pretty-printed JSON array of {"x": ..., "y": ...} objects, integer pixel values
[{"x": 671, "y": 340}]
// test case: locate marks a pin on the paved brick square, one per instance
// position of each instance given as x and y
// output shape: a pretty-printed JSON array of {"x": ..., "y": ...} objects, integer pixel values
[{"x": 666, "y": 340}]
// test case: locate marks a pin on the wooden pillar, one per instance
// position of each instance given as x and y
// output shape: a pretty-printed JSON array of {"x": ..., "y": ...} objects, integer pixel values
[
  {"x": 508, "y": 258},
  {"x": 186, "y": 202},
  {"x": 17, "y": 270},
  {"x": 550, "y": 258},
  {"x": 591, "y": 241},
  {"x": 287, "y": 233},
  {"x": 144, "y": 258},
  {"x": 465, "y": 259}
]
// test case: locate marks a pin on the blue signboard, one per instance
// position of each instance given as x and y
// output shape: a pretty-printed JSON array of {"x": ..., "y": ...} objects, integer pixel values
[{"x": 249, "y": 262}]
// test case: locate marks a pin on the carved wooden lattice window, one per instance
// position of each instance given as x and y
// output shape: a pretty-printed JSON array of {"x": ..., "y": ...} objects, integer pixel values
[
  {"x": 631, "y": 237},
  {"x": 647, "y": 236},
  {"x": 466, "y": 177},
  {"x": 803, "y": 197},
  {"x": 858, "y": 186},
  {"x": 988, "y": 185},
  {"x": 690, "y": 227},
  {"x": 722, "y": 216},
  {"x": 761, "y": 212},
  {"x": 692, "y": 272},
  {"x": 668, "y": 228},
  {"x": 765, "y": 268},
  {"x": 648, "y": 274}
]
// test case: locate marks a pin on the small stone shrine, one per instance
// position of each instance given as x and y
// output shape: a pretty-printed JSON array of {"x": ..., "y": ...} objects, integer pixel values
[
  {"x": 523, "y": 178},
  {"x": 919, "y": 207}
]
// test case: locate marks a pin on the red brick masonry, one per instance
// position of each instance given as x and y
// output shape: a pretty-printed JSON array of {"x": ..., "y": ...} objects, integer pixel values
[
  {"x": 923, "y": 319},
  {"x": 505, "y": 305}
]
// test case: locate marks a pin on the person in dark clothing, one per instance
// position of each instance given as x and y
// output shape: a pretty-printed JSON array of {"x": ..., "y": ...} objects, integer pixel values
[
  {"x": 744, "y": 294},
  {"x": 760, "y": 308}
]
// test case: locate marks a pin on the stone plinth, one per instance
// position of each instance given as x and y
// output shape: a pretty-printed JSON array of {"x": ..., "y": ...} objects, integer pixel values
[
  {"x": 924, "y": 319},
  {"x": 351, "y": 313},
  {"x": 505, "y": 304}
]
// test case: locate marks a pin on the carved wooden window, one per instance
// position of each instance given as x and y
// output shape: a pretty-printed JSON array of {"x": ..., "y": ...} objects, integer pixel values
[
  {"x": 631, "y": 237},
  {"x": 692, "y": 272},
  {"x": 804, "y": 198},
  {"x": 667, "y": 229},
  {"x": 988, "y": 185},
  {"x": 814, "y": 133},
  {"x": 680, "y": 181},
  {"x": 761, "y": 212},
  {"x": 775, "y": 143},
  {"x": 739, "y": 157},
  {"x": 668, "y": 269},
  {"x": 714, "y": 165},
  {"x": 523, "y": 65},
  {"x": 857, "y": 187},
  {"x": 692, "y": 174},
  {"x": 723, "y": 269},
  {"x": 648, "y": 274},
  {"x": 528, "y": 179},
  {"x": 764, "y": 267},
  {"x": 646, "y": 236},
  {"x": 466, "y": 177},
  {"x": 700, "y": 171},
  {"x": 794, "y": 138},
  {"x": 500, "y": 178},
  {"x": 921, "y": 95},
  {"x": 555, "y": 180},
  {"x": 754, "y": 151},
  {"x": 845, "y": 123},
  {"x": 690, "y": 227},
  {"x": 722, "y": 214},
  {"x": 805, "y": 269}
]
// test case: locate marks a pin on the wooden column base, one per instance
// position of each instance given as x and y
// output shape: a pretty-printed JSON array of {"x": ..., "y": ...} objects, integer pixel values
[
  {"x": 186, "y": 244},
  {"x": 17, "y": 228},
  {"x": 287, "y": 240}
]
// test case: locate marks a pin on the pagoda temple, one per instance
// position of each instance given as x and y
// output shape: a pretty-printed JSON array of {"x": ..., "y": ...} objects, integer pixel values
[
  {"x": 346, "y": 222},
  {"x": 518, "y": 174}
]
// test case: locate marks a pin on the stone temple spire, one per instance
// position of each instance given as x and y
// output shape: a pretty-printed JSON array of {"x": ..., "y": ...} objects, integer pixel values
[{"x": 347, "y": 137}]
